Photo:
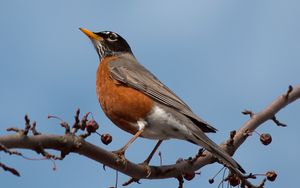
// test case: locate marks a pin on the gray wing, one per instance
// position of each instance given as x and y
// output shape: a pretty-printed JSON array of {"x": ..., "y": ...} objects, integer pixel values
[{"x": 129, "y": 72}]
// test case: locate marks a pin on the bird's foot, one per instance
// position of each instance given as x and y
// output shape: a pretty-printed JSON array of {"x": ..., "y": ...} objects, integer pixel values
[
  {"x": 145, "y": 164},
  {"x": 147, "y": 168},
  {"x": 121, "y": 156}
]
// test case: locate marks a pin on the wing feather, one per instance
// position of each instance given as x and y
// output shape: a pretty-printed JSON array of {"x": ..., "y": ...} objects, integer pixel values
[{"x": 128, "y": 71}]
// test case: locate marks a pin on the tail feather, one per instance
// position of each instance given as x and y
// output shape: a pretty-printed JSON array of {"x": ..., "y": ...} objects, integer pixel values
[{"x": 217, "y": 151}]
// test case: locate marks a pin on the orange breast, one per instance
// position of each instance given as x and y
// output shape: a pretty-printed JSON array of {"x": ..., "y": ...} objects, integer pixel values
[{"x": 123, "y": 105}]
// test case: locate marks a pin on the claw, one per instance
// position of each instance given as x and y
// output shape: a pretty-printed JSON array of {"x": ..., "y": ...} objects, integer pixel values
[
  {"x": 147, "y": 168},
  {"x": 121, "y": 156}
]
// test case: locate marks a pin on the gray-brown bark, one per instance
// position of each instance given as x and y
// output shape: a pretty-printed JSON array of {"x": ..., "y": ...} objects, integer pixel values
[{"x": 71, "y": 143}]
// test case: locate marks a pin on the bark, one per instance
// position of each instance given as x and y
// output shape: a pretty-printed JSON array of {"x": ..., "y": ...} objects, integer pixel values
[{"x": 69, "y": 143}]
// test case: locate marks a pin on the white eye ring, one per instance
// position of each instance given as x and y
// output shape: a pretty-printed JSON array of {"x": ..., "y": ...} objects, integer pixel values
[{"x": 112, "y": 36}]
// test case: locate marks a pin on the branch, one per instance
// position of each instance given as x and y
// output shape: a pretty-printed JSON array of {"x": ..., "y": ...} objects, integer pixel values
[
  {"x": 266, "y": 114},
  {"x": 72, "y": 143}
]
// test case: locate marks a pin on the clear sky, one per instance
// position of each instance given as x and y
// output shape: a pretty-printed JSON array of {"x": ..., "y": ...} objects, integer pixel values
[{"x": 221, "y": 57}]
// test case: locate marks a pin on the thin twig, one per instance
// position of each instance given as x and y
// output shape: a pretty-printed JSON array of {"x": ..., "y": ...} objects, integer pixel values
[
  {"x": 9, "y": 169},
  {"x": 76, "y": 144}
]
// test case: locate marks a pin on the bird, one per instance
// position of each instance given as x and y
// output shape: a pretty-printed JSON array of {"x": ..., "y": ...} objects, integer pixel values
[{"x": 136, "y": 101}]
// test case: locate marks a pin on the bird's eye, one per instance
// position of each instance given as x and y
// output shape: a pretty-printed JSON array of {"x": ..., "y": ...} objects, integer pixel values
[{"x": 112, "y": 37}]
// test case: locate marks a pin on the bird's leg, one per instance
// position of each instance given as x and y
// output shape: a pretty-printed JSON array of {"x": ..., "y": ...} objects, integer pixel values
[
  {"x": 147, "y": 161},
  {"x": 121, "y": 152}
]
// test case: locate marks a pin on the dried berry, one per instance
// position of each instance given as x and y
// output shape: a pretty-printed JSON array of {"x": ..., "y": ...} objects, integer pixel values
[
  {"x": 265, "y": 139},
  {"x": 106, "y": 139},
  {"x": 234, "y": 180},
  {"x": 92, "y": 126},
  {"x": 189, "y": 176},
  {"x": 271, "y": 175}
]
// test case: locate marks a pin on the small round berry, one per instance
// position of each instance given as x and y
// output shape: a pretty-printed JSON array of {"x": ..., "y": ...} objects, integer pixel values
[
  {"x": 106, "y": 139},
  {"x": 271, "y": 175},
  {"x": 189, "y": 176},
  {"x": 92, "y": 126},
  {"x": 265, "y": 139},
  {"x": 234, "y": 180}
]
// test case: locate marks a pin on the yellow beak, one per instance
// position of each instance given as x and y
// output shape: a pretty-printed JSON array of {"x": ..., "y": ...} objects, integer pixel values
[{"x": 91, "y": 35}]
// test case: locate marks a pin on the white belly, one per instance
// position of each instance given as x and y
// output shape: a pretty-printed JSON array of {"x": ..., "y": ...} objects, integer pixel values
[{"x": 162, "y": 125}]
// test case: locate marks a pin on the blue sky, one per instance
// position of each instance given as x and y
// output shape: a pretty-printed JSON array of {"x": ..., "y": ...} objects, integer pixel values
[{"x": 221, "y": 57}]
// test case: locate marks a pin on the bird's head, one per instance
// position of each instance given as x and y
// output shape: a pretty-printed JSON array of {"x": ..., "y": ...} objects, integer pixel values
[{"x": 107, "y": 43}]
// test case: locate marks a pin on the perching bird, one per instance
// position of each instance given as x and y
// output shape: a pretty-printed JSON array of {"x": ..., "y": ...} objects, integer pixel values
[{"x": 137, "y": 102}]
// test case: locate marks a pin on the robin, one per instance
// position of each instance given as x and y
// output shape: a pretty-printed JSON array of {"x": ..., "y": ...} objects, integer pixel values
[{"x": 138, "y": 103}]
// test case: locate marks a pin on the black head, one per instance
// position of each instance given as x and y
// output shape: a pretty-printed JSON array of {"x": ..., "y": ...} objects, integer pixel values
[{"x": 107, "y": 43}]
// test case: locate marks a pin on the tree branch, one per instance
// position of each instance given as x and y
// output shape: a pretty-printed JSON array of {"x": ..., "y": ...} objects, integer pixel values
[{"x": 71, "y": 143}]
